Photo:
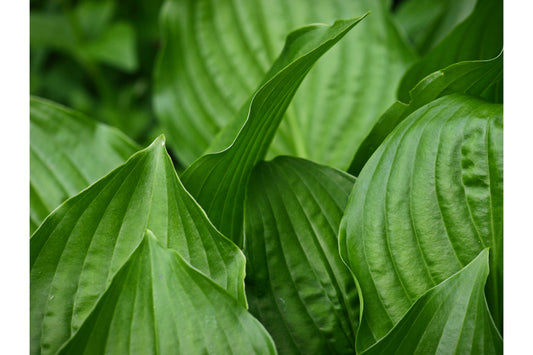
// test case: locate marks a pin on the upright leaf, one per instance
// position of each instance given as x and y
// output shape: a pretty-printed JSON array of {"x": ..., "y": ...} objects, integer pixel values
[
  {"x": 218, "y": 181},
  {"x": 451, "y": 318},
  {"x": 424, "y": 206},
  {"x": 78, "y": 249},
  {"x": 296, "y": 283},
  {"x": 68, "y": 152},
  {"x": 158, "y": 304},
  {"x": 204, "y": 78},
  {"x": 481, "y": 78},
  {"x": 480, "y": 36}
]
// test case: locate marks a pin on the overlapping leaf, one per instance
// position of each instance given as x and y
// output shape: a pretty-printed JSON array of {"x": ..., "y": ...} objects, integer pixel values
[
  {"x": 297, "y": 284},
  {"x": 480, "y": 36},
  {"x": 424, "y": 206},
  {"x": 204, "y": 78},
  {"x": 68, "y": 152},
  {"x": 451, "y": 318},
  {"x": 78, "y": 248},
  {"x": 482, "y": 78},
  {"x": 218, "y": 181},
  {"x": 158, "y": 304}
]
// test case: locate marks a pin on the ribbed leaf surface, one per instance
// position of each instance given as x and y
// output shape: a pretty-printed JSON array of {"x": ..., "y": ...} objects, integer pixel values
[
  {"x": 296, "y": 283},
  {"x": 482, "y": 78},
  {"x": 451, "y": 318},
  {"x": 158, "y": 304},
  {"x": 216, "y": 53},
  {"x": 424, "y": 206},
  {"x": 68, "y": 152},
  {"x": 218, "y": 181},
  {"x": 78, "y": 248}
]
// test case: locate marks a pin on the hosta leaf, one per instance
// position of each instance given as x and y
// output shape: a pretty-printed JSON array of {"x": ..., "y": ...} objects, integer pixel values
[
  {"x": 482, "y": 78},
  {"x": 480, "y": 36},
  {"x": 218, "y": 181},
  {"x": 424, "y": 206},
  {"x": 451, "y": 318},
  {"x": 427, "y": 22},
  {"x": 68, "y": 152},
  {"x": 204, "y": 78},
  {"x": 297, "y": 284},
  {"x": 81, "y": 245},
  {"x": 158, "y": 304}
]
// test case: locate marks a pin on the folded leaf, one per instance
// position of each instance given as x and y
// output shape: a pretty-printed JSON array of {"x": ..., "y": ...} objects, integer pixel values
[
  {"x": 78, "y": 249},
  {"x": 218, "y": 181},
  {"x": 480, "y": 36},
  {"x": 216, "y": 53},
  {"x": 68, "y": 152},
  {"x": 451, "y": 318},
  {"x": 296, "y": 283},
  {"x": 158, "y": 304},
  {"x": 481, "y": 78},
  {"x": 424, "y": 206}
]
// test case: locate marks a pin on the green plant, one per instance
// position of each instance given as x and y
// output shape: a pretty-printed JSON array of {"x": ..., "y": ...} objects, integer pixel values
[{"x": 376, "y": 228}]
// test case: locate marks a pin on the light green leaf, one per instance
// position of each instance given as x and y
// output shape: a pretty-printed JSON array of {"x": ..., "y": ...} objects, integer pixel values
[
  {"x": 296, "y": 283},
  {"x": 68, "y": 152},
  {"x": 78, "y": 249},
  {"x": 218, "y": 181},
  {"x": 49, "y": 30},
  {"x": 451, "y": 318},
  {"x": 482, "y": 78},
  {"x": 204, "y": 78},
  {"x": 424, "y": 206},
  {"x": 427, "y": 22},
  {"x": 158, "y": 304},
  {"x": 480, "y": 36}
]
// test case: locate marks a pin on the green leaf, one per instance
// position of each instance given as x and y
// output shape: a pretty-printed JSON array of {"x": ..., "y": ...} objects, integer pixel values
[
  {"x": 427, "y": 22},
  {"x": 424, "y": 206},
  {"x": 68, "y": 152},
  {"x": 451, "y": 318},
  {"x": 482, "y": 79},
  {"x": 77, "y": 250},
  {"x": 216, "y": 53},
  {"x": 480, "y": 36},
  {"x": 50, "y": 30},
  {"x": 218, "y": 181},
  {"x": 296, "y": 283},
  {"x": 158, "y": 304}
]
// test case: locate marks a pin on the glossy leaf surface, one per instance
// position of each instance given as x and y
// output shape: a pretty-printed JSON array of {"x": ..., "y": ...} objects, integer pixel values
[
  {"x": 218, "y": 181},
  {"x": 424, "y": 206},
  {"x": 68, "y": 152},
  {"x": 77, "y": 250},
  {"x": 158, "y": 304},
  {"x": 296, "y": 283},
  {"x": 451, "y": 318},
  {"x": 204, "y": 78}
]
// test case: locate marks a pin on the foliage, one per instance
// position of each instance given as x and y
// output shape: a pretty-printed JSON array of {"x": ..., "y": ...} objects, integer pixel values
[{"x": 327, "y": 189}]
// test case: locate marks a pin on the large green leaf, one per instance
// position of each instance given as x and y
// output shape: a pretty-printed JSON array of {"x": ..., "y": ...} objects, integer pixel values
[
  {"x": 216, "y": 53},
  {"x": 218, "y": 181},
  {"x": 158, "y": 304},
  {"x": 68, "y": 152},
  {"x": 81, "y": 245},
  {"x": 425, "y": 205},
  {"x": 480, "y": 36},
  {"x": 482, "y": 78},
  {"x": 296, "y": 283},
  {"x": 451, "y": 318}
]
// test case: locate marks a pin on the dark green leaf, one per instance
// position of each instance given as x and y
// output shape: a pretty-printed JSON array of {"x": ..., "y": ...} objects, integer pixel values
[
  {"x": 296, "y": 283},
  {"x": 158, "y": 304},
  {"x": 480, "y": 36},
  {"x": 68, "y": 152},
  {"x": 424, "y": 206},
  {"x": 451, "y": 318},
  {"x": 218, "y": 181},
  {"x": 78, "y": 249}
]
